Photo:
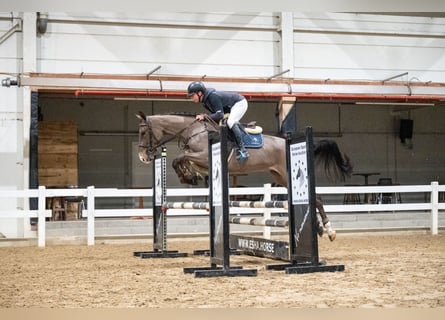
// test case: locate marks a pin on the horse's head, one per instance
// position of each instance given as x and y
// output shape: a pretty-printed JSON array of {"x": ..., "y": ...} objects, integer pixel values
[{"x": 145, "y": 151}]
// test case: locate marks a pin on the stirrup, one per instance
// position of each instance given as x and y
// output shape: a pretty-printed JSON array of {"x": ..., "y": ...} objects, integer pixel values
[{"x": 242, "y": 155}]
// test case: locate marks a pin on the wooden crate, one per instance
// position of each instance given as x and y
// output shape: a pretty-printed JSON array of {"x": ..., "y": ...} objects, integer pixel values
[{"x": 58, "y": 153}]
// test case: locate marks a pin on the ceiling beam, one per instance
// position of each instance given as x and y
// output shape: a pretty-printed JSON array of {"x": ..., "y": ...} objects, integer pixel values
[{"x": 158, "y": 85}]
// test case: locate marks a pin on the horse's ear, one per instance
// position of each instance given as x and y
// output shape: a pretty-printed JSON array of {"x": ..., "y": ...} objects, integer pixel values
[{"x": 141, "y": 116}]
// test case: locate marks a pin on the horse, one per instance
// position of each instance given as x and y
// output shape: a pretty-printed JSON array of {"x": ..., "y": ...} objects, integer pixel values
[{"x": 192, "y": 165}]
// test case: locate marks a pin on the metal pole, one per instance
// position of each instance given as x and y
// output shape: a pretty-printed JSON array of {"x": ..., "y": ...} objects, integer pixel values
[
  {"x": 41, "y": 231},
  {"x": 90, "y": 218},
  {"x": 434, "y": 207},
  {"x": 397, "y": 76},
  {"x": 164, "y": 197}
]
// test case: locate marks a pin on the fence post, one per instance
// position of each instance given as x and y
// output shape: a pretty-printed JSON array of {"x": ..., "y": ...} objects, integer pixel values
[
  {"x": 434, "y": 207},
  {"x": 90, "y": 215},
  {"x": 267, "y": 211},
  {"x": 41, "y": 231}
]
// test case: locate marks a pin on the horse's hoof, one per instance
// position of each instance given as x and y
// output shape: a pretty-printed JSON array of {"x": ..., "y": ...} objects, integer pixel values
[{"x": 332, "y": 235}]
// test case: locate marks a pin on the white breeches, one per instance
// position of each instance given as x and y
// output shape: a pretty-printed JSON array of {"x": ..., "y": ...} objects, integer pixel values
[{"x": 237, "y": 112}]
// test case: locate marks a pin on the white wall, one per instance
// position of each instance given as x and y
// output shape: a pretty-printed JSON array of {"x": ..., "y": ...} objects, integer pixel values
[
  {"x": 182, "y": 43},
  {"x": 368, "y": 46},
  {"x": 11, "y": 124},
  {"x": 10, "y": 117},
  {"x": 326, "y": 45}
]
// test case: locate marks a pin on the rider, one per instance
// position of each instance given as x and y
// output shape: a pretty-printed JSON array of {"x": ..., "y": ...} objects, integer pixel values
[{"x": 218, "y": 103}]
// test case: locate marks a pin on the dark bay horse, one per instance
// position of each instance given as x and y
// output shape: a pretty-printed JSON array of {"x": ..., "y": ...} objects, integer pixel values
[{"x": 156, "y": 130}]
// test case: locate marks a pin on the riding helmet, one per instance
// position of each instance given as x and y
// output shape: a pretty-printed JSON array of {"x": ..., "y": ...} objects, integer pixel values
[{"x": 195, "y": 87}]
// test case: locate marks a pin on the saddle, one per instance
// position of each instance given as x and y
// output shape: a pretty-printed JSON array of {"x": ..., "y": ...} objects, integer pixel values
[
  {"x": 253, "y": 137},
  {"x": 253, "y": 134},
  {"x": 252, "y": 128}
]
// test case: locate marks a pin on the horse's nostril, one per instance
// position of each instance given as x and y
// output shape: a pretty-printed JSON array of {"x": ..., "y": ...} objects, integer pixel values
[{"x": 141, "y": 158}]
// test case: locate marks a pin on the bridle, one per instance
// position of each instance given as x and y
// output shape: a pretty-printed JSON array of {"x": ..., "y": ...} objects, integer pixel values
[
  {"x": 149, "y": 147},
  {"x": 153, "y": 144}
]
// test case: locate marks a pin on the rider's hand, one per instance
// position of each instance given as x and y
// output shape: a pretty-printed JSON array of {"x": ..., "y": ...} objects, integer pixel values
[{"x": 199, "y": 117}]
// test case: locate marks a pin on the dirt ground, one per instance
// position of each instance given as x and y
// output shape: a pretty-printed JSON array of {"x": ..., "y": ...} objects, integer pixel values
[{"x": 381, "y": 270}]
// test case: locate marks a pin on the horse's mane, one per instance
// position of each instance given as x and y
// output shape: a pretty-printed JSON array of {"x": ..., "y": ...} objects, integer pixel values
[{"x": 183, "y": 114}]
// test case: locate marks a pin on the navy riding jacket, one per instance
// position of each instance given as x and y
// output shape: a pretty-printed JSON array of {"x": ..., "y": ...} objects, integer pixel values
[{"x": 219, "y": 102}]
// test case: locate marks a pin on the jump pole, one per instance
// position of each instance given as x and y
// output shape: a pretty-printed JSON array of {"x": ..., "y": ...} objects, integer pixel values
[
  {"x": 160, "y": 249},
  {"x": 236, "y": 204},
  {"x": 219, "y": 213}
]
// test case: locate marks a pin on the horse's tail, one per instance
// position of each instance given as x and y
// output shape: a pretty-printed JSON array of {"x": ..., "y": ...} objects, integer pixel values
[{"x": 336, "y": 165}]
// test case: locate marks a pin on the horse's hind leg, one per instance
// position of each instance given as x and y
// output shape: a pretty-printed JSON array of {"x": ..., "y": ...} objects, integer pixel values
[{"x": 325, "y": 220}]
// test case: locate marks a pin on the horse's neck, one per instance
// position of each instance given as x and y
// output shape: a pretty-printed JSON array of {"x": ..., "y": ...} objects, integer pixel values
[{"x": 170, "y": 125}]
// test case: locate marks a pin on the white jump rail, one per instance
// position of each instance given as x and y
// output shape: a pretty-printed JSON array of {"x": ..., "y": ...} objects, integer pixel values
[{"x": 265, "y": 192}]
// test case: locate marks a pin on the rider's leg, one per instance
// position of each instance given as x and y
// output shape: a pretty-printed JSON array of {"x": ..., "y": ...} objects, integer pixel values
[
  {"x": 236, "y": 113},
  {"x": 238, "y": 132}
]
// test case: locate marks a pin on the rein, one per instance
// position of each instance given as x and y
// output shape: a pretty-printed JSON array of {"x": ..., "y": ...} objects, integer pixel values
[
  {"x": 152, "y": 147},
  {"x": 210, "y": 120}
]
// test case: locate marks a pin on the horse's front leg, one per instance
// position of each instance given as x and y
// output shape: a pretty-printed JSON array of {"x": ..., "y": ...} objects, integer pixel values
[
  {"x": 184, "y": 172},
  {"x": 190, "y": 167},
  {"x": 325, "y": 220}
]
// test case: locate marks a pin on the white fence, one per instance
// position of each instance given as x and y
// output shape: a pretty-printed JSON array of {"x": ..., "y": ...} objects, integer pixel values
[{"x": 91, "y": 193}]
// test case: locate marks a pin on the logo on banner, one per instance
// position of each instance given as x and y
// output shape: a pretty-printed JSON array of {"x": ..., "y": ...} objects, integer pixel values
[
  {"x": 299, "y": 173},
  {"x": 158, "y": 182},
  {"x": 216, "y": 174}
]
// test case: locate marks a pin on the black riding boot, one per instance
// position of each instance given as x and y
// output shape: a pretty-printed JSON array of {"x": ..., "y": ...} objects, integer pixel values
[{"x": 238, "y": 133}]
